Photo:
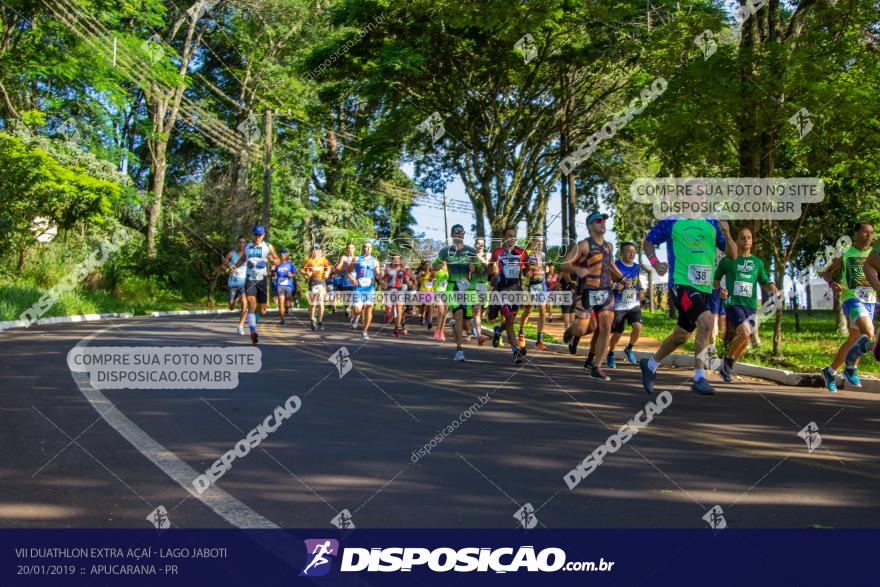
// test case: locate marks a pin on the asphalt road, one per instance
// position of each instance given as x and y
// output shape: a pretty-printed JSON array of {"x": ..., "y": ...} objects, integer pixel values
[{"x": 75, "y": 457}]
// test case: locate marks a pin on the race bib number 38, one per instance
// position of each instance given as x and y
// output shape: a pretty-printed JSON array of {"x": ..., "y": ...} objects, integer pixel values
[{"x": 700, "y": 274}]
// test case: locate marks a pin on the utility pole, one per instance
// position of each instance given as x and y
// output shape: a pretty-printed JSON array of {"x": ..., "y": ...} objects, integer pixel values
[
  {"x": 267, "y": 170},
  {"x": 446, "y": 218},
  {"x": 267, "y": 178}
]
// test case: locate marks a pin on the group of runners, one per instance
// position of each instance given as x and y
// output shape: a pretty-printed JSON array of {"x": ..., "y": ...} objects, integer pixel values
[{"x": 602, "y": 295}]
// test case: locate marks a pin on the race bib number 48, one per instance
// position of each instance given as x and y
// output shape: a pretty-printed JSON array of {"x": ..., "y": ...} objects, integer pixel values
[
  {"x": 700, "y": 274},
  {"x": 630, "y": 296}
]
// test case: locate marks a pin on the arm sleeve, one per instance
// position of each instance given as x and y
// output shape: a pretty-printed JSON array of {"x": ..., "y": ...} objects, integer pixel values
[
  {"x": 661, "y": 232},
  {"x": 720, "y": 241}
]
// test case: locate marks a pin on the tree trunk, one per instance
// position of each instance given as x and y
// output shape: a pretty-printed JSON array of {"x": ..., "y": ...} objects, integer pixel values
[
  {"x": 572, "y": 208},
  {"x": 158, "y": 156}
]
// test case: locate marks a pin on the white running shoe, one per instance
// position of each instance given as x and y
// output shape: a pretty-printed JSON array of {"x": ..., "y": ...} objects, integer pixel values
[
  {"x": 364, "y": 335},
  {"x": 241, "y": 330},
  {"x": 459, "y": 356}
]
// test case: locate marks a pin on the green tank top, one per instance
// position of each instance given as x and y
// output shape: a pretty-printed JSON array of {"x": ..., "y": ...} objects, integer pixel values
[
  {"x": 852, "y": 274},
  {"x": 441, "y": 279}
]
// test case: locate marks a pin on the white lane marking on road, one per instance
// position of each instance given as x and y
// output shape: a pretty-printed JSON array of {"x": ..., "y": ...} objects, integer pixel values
[{"x": 219, "y": 501}]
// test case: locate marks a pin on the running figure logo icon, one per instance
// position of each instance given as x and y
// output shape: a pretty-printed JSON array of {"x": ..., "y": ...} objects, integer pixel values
[
  {"x": 715, "y": 518},
  {"x": 801, "y": 120},
  {"x": 342, "y": 360},
  {"x": 525, "y": 516},
  {"x": 706, "y": 43},
  {"x": 343, "y": 520},
  {"x": 159, "y": 518},
  {"x": 810, "y": 434},
  {"x": 317, "y": 552}
]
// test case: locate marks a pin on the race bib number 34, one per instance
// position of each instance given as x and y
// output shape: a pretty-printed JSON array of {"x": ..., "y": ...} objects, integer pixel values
[
  {"x": 700, "y": 274},
  {"x": 743, "y": 289}
]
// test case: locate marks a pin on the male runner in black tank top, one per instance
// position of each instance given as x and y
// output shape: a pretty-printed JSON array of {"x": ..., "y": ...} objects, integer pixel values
[{"x": 593, "y": 263}]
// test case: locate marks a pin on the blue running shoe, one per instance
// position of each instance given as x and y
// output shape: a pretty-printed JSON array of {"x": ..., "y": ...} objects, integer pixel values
[
  {"x": 703, "y": 387},
  {"x": 648, "y": 376},
  {"x": 630, "y": 355},
  {"x": 859, "y": 348},
  {"x": 851, "y": 374},
  {"x": 611, "y": 361},
  {"x": 830, "y": 383}
]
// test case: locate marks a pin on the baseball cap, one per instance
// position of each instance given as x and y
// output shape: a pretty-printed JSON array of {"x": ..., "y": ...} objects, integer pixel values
[
  {"x": 283, "y": 252},
  {"x": 596, "y": 216},
  {"x": 259, "y": 229},
  {"x": 316, "y": 246}
]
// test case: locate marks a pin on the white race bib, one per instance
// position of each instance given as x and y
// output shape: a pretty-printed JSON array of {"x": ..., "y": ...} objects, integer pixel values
[
  {"x": 429, "y": 285},
  {"x": 511, "y": 271},
  {"x": 630, "y": 296},
  {"x": 743, "y": 289},
  {"x": 481, "y": 288},
  {"x": 463, "y": 284},
  {"x": 866, "y": 294},
  {"x": 700, "y": 274},
  {"x": 283, "y": 281},
  {"x": 441, "y": 285},
  {"x": 598, "y": 297},
  {"x": 365, "y": 281},
  {"x": 316, "y": 289},
  {"x": 536, "y": 289}
]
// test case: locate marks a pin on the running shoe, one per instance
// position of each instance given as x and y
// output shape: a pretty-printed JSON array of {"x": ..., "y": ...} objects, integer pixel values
[
  {"x": 387, "y": 317},
  {"x": 254, "y": 337},
  {"x": 588, "y": 364},
  {"x": 482, "y": 340},
  {"x": 726, "y": 370},
  {"x": 348, "y": 313},
  {"x": 517, "y": 356},
  {"x": 859, "y": 348},
  {"x": 830, "y": 383},
  {"x": 611, "y": 361},
  {"x": 703, "y": 387},
  {"x": 396, "y": 333},
  {"x": 283, "y": 322},
  {"x": 521, "y": 339},
  {"x": 436, "y": 335},
  {"x": 428, "y": 324},
  {"x": 364, "y": 335},
  {"x": 648, "y": 376},
  {"x": 451, "y": 322},
  {"x": 352, "y": 325},
  {"x": 442, "y": 336},
  {"x": 459, "y": 355},
  {"x": 313, "y": 325},
  {"x": 630, "y": 355},
  {"x": 851, "y": 374},
  {"x": 567, "y": 336},
  {"x": 241, "y": 330},
  {"x": 573, "y": 344},
  {"x": 540, "y": 345},
  {"x": 321, "y": 326},
  {"x": 597, "y": 373},
  {"x": 496, "y": 337}
]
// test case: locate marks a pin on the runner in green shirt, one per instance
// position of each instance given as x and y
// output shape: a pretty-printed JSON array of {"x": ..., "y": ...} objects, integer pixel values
[
  {"x": 846, "y": 276},
  {"x": 742, "y": 277},
  {"x": 479, "y": 287},
  {"x": 459, "y": 260}
]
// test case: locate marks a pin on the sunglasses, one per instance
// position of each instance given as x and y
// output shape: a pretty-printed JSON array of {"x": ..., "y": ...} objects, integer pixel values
[{"x": 602, "y": 220}]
